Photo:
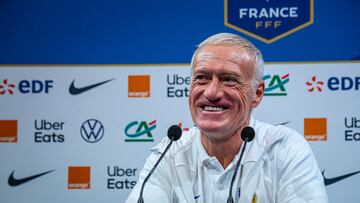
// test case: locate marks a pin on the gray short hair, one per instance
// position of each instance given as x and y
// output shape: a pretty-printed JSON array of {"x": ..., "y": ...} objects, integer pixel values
[{"x": 235, "y": 40}]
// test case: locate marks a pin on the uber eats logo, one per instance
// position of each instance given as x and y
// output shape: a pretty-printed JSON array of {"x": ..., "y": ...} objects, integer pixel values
[
  {"x": 140, "y": 131},
  {"x": 121, "y": 178},
  {"x": 178, "y": 86},
  {"x": 352, "y": 128},
  {"x": 275, "y": 84},
  {"x": 48, "y": 131}
]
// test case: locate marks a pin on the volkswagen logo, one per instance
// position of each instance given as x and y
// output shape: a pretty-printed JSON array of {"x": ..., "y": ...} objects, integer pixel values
[{"x": 92, "y": 130}]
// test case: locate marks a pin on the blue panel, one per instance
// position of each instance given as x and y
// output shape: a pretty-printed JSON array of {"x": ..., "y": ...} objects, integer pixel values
[{"x": 157, "y": 31}]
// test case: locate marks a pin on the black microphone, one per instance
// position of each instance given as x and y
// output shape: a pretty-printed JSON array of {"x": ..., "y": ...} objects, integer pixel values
[
  {"x": 174, "y": 133},
  {"x": 247, "y": 135}
]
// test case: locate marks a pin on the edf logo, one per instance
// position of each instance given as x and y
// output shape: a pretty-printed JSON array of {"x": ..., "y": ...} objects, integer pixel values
[
  {"x": 35, "y": 86},
  {"x": 334, "y": 84},
  {"x": 26, "y": 86},
  {"x": 344, "y": 83}
]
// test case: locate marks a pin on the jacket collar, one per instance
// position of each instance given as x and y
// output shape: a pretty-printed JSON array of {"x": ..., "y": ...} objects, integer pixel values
[
  {"x": 252, "y": 152},
  {"x": 254, "y": 149}
]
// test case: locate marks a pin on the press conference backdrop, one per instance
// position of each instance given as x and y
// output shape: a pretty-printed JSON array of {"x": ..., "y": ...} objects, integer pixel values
[{"x": 71, "y": 132}]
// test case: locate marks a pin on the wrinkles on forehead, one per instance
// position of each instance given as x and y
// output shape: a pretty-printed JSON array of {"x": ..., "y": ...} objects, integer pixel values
[{"x": 227, "y": 55}]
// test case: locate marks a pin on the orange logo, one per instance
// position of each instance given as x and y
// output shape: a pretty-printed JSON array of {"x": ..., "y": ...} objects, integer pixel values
[
  {"x": 315, "y": 129},
  {"x": 8, "y": 131},
  {"x": 139, "y": 86},
  {"x": 79, "y": 177}
]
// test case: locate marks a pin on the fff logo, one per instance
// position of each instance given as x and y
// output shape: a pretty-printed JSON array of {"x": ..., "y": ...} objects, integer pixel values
[{"x": 140, "y": 131}]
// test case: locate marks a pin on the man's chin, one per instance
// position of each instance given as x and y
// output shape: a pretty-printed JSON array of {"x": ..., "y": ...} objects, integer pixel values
[{"x": 211, "y": 128}]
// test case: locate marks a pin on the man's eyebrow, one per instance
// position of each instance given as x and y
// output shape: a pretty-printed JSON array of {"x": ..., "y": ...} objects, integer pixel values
[
  {"x": 201, "y": 69},
  {"x": 230, "y": 72},
  {"x": 221, "y": 73}
]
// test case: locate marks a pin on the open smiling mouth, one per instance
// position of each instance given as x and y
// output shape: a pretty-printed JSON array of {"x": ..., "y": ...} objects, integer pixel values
[{"x": 213, "y": 108}]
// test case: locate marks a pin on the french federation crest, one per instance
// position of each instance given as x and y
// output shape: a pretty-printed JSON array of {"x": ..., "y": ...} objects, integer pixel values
[{"x": 268, "y": 20}]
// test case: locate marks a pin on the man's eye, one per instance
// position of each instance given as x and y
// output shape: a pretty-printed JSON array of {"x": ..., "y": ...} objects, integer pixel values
[
  {"x": 200, "y": 77},
  {"x": 230, "y": 81}
]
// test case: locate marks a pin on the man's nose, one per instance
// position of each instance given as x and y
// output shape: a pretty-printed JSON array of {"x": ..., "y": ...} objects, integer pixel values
[{"x": 214, "y": 91}]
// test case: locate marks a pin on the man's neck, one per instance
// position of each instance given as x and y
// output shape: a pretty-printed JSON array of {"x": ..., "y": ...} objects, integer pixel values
[{"x": 224, "y": 150}]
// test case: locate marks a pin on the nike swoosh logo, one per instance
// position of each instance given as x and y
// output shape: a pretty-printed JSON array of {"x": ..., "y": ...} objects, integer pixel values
[
  {"x": 284, "y": 123},
  {"x": 329, "y": 181},
  {"x": 78, "y": 90},
  {"x": 16, "y": 182}
]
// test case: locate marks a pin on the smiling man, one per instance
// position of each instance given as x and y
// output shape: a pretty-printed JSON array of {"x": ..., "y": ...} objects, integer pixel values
[{"x": 277, "y": 166}]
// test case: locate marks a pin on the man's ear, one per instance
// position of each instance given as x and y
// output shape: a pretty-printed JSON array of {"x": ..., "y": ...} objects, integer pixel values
[{"x": 259, "y": 93}]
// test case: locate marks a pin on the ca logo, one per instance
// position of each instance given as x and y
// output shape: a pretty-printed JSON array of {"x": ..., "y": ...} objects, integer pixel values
[
  {"x": 276, "y": 86},
  {"x": 140, "y": 131}
]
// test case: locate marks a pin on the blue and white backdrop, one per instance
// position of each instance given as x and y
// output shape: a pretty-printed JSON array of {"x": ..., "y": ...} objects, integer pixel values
[{"x": 88, "y": 87}]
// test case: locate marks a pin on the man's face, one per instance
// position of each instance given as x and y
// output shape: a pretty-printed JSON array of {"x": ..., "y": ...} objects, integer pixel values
[{"x": 221, "y": 94}]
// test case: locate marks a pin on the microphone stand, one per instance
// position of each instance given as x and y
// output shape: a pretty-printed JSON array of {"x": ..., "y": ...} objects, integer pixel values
[
  {"x": 247, "y": 135},
  {"x": 141, "y": 200},
  {"x": 174, "y": 133},
  {"x": 230, "y": 199}
]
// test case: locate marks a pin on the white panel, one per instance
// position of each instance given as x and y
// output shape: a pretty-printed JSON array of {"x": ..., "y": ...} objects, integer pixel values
[{"x": 109, "y": 103}]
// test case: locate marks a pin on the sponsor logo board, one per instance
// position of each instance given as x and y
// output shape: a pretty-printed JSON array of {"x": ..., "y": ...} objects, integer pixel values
[
  {"x": 13, "y": 182},
  {"x": 140, "y": 131},
  {"x": 178, "y": 86},
  {"x": 315, "y": 129},
  {"x": 121, "y": 178},
  {"x": 352, "y": 128},
  {"x": 330, "y": 181},
  {"x": 139, "y": 86},
  {"x": 79, "y": 177},
  {"x": 333, "y": 84},
  {"x": 75, "y": 90},
  {"x": 6, "y": 87},
  {"x": 275, "y": 84},
  {"x": 8, "y": 131},
  {"x": 92, "y": 130},
  {"x": 26, "y": 87},
  {"x": 48, "y": 131},
  {"x": 314, "y": 84}
]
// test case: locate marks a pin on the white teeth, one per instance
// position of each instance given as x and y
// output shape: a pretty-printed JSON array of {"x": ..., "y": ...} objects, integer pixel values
[{"x": 213, "y": 108}]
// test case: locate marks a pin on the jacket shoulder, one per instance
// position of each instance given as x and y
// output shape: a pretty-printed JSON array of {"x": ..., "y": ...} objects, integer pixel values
[{"x": 267, "y": 134}]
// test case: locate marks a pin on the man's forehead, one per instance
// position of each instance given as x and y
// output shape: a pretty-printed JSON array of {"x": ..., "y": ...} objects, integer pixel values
[
  {"x": 238, "y": 60},
  {"x": 235, "y": 54}
]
